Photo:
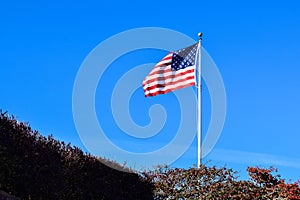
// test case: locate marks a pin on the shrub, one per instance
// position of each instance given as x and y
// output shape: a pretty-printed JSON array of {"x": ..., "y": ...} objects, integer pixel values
[
  {"x": 219, "y": 183},
  {"x": 36, "y": 167}
]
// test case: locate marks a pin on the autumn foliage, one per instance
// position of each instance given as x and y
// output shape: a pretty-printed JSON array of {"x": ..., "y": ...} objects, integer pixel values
[
  {"x": 36, "y": 167},
  {"x": 220, "y": 183}
]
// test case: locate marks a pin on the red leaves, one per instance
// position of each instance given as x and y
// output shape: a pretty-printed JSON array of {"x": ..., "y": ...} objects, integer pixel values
[
  {"x": 220, "y": 183},
  {"x": 263, "y": 176},
  {"x": 274, "y": 183}
]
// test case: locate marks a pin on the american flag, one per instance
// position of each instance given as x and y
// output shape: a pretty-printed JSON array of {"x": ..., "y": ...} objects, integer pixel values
[{"x": 175, "y": 71}]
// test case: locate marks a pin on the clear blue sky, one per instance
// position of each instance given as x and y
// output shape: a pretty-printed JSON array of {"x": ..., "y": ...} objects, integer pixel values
[{"x": 255, "y": 45}]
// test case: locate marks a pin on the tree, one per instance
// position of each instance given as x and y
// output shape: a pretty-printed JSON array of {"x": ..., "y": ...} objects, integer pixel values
[{"x": 219, "y": 183}]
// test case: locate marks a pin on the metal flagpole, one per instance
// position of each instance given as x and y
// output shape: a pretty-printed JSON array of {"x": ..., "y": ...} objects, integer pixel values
[{"x": 199, "y": 88}]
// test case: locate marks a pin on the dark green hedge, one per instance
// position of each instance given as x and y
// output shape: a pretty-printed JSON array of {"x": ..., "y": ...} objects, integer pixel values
[{"x": 35, "y": 167}]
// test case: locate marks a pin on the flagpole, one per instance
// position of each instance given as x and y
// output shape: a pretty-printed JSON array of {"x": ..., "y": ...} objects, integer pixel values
[{"x": 199, "y": 88}]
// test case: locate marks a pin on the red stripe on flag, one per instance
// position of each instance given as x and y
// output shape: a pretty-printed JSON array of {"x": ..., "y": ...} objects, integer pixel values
[
  {"x": 165, "y": 78},
  {"x": 169, "y": 90},
  {"x": 169, "y": 84}
]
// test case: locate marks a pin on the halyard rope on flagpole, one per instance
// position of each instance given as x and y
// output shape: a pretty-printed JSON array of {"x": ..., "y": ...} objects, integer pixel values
[{"x": 199, "y": 113}]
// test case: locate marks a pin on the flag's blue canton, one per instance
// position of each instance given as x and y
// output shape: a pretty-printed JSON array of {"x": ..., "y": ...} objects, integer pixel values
[{"x": 184, "y": 57}]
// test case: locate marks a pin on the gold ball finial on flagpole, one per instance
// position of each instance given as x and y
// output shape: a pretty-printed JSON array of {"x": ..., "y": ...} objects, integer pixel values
[{"x": 200, "y": 35}]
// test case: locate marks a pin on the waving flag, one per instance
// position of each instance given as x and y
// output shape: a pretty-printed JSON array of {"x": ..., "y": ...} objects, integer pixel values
[{"x": 175, "y": 71}]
